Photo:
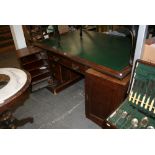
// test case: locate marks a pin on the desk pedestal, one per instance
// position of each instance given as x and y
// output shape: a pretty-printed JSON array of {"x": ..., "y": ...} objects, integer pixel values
[{"x": 103, "y": 95}]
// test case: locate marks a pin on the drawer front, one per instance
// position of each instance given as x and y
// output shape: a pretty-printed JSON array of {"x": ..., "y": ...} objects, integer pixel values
[
  {"x": 68, "y": 63},
  {"x": 78, "y": 67},
  {"x": 73, "y": 65}
]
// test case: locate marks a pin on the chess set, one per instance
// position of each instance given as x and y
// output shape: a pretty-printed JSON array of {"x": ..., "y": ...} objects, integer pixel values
[{"x": 138, "y": 109}]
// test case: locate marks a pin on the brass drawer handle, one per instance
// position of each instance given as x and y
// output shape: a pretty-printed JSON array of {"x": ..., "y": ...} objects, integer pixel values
[{"x": 75, "y": 67}]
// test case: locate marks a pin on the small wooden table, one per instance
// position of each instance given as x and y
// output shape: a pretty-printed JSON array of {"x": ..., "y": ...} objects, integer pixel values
[{"x": 17, "y": 96}]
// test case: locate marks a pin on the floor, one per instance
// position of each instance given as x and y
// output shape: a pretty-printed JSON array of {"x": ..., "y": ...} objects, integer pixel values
[
  {"x": 65, "y": 110},
  {"x": 8, "y": 59}
]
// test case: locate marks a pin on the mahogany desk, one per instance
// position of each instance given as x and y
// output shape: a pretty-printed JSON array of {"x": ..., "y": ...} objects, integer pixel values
[{"x": 103, "y": 60}]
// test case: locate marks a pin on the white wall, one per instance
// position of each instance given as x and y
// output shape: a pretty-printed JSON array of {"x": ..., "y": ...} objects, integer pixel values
[
  {"x": 18, "y": 36},
  {"x": 140, "y": 42},
  {"x": 139, "y": 45}
]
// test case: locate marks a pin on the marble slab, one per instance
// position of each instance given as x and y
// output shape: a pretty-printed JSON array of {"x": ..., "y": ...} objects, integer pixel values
[{"x": 17, "y": 80}]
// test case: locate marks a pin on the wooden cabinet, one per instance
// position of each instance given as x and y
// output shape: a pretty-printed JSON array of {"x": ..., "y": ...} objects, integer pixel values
[
  {"x": 103, "y": 95},
  {"x": 35, "y": 61}
]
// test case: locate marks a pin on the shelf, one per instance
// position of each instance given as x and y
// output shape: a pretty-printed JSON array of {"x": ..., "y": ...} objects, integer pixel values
[
  {"x": 39, "y": 72},
  {"x": 27, "y": 63},
  {"x": 35, "y": 61},
  {"x": 40, "y": 78},
  {"x": 33, "y": 58},
  {"x": 40, "y": 85},
  {"x": 60, "y": 86},
  {"x": 28, "y": 51},
  {"x": 35, "y": 65}
]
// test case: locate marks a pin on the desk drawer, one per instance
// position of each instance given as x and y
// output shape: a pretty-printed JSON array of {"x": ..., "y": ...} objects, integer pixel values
[
  {"x": 68, "y": 63},
  {"x": 74, "y": 65}
]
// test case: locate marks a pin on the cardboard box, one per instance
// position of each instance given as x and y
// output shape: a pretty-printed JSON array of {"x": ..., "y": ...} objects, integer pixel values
[{"x": 149, "y": 52}]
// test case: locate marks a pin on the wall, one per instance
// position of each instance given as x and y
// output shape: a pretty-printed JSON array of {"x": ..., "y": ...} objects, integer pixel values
[{"x": 18, "y": 36}]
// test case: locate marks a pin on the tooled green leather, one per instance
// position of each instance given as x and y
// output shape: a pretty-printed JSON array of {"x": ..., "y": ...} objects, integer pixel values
[{"x": 106, "y": 50}]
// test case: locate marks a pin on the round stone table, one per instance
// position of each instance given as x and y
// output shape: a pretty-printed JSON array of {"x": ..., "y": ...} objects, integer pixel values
[{"x": 14, "y": 90}]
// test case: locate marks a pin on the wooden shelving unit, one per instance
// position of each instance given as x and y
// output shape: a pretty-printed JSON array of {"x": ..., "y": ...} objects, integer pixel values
[{"x": 35, "y": 61}]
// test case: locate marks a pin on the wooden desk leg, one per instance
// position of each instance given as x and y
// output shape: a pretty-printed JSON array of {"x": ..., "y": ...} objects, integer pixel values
[{"x": 8, "y": 121}]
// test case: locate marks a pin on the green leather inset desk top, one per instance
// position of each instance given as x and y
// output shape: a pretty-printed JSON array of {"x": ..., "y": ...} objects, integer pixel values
[{"x": 106, "y": 50}]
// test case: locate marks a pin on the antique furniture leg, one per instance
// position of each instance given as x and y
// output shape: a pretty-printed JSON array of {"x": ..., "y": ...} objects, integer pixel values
[
  {"x": 23, "y": 121},
  {"x": 8, "y": 121}
]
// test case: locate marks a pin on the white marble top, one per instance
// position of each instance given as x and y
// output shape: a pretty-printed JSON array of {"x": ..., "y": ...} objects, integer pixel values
[{"x": 17, "y": 80}]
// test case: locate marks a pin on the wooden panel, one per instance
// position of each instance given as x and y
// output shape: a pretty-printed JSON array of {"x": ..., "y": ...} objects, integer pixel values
[
  {"x": 62, "y": 78},
  {"x": 65, "y": 73},
  {"x": 62, "y": 75},
  {"x": 103, "y": 95},
  {"x": 27, "y": 51},
  {"x": 6, "y": 39},
  {"x": 74, "y": 74}
]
